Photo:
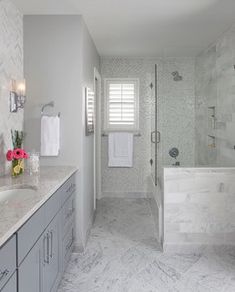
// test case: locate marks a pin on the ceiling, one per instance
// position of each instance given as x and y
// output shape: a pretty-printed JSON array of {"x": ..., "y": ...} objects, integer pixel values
[{"x": 144, "y": 27}]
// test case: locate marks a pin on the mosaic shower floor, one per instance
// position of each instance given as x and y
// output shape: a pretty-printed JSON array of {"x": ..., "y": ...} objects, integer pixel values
[{"x": 122, "y": 255}]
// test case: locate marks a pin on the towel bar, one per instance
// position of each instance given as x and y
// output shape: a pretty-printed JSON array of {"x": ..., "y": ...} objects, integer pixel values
[
  {"x": 51, "y": 104},
  {"x": 136, "y": 135}
]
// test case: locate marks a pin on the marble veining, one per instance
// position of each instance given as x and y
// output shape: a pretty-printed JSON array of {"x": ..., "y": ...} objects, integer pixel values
[
  {"x": 15, "y": 211},
  {"x": 214, "y": 81},
  {"x": 199, "y": 206},
  {"x": 123, "y": 255}
]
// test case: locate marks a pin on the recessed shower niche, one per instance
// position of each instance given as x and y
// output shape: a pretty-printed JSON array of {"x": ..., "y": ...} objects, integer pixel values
[{"x": 211, "y": 118}]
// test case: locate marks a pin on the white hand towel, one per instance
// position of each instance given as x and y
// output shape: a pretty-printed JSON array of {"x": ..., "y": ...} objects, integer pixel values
[
  {"x": 120, "y": 150},
  {"x": 50, "y": 136}
]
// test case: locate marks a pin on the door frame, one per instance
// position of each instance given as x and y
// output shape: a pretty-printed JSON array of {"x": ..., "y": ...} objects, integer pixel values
[{"x": 97, "y": 137}]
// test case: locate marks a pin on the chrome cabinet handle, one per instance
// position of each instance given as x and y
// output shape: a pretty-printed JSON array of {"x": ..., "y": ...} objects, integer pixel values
[
  {"x": 3, "y": 274},
  {"x": 45, "y": 249},
  {"x": 51, "y": 252},
  {"x": 48, "y": 243}
]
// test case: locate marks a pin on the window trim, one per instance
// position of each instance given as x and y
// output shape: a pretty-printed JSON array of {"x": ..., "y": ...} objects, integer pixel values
[{"x": 107, "y": 128}]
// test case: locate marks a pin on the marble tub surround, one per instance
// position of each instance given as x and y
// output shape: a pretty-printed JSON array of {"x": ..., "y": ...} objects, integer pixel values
[
  {"x": 122, "y": 255},
  {"x": 15, "y": 211},
  {"x": 199, "y": 206}
]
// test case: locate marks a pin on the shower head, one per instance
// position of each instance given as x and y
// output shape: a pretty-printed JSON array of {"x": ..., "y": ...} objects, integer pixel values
[{"x": 176, "y": 76}]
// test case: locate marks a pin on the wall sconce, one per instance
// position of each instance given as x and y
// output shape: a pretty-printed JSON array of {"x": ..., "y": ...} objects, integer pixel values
[{"x": 17, "y": 95}]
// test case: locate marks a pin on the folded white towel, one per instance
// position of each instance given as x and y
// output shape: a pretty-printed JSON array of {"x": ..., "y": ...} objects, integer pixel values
[
  {"x": 50, "y": 136},
  {"x": 120, "y": 150}
]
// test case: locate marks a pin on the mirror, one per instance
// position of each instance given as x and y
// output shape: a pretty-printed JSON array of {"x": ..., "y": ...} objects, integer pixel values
[{"x": 90, "y": 107}]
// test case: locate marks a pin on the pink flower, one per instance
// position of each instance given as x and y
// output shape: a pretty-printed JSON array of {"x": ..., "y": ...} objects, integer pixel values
[
  {"x": 9, "y": 155},
  {"x": 25, "y": 154},
  {"x": 18, "y": 153}
]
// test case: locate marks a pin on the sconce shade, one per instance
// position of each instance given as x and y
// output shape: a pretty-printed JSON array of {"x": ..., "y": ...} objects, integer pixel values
[
  {"x": 21, "y": 87},
  {"x": 17, "y": 95}
]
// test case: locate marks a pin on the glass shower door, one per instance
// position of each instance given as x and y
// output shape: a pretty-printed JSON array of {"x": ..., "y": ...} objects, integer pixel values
[{"x": 155, "y": 134}]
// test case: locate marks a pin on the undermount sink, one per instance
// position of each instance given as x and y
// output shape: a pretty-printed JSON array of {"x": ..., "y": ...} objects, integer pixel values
[{"x": 8, "y": 194}]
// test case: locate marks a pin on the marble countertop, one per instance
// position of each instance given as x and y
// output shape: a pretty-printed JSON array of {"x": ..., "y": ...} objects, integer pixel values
[{"x": 16, "y": 210}]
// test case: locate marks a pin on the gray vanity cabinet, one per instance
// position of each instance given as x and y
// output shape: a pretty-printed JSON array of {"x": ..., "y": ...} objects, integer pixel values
[
  {"x": 40, "y": 270},
  {"x": 7, "y": 261},
  {"x": 11, "y": 285},
  {"x": 51, "y": 271},
  {"x": 40, "y": 266}
]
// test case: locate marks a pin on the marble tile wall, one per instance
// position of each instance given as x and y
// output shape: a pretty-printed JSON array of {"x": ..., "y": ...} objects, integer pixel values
[
  {"x": 134, "y": 180},
  {"x": 199, "y": 206},
  {"x": 176, "y": 102},
  {"x": 177, "y": 110},
  {"x": 11, "y": 67},
  {"x": 215, "y": 86}
]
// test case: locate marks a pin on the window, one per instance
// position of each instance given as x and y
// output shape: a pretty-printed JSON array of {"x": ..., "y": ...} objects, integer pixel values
[{"x": 121, "y": 105}]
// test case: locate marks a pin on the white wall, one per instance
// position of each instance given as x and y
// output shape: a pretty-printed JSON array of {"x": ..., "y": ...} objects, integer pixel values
[
  {"x": 11, "y": 67},
  {"x": 90, "y": 59},
  {"x": 59, "y": 61}
]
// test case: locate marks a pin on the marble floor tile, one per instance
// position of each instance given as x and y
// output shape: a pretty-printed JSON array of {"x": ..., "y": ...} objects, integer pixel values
[{"x": 123, "y": 255}]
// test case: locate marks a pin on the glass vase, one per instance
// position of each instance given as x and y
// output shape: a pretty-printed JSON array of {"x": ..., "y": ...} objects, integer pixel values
[{"x": 17, "y": 167}]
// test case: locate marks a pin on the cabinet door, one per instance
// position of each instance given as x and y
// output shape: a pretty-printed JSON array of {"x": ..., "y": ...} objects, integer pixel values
[
  {"x": 11, "y": 285},
  {"x": 51, "y": 271},
  {"x": 29, "y": 271},
  {"x": 7, "y": 261}
]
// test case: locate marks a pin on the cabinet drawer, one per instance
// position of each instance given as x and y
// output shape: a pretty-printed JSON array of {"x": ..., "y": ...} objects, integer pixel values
[
  {"x": 7, "y": 261},
  {"x": 10, "y": 285},
  {"x": 29, "y": 233},
  {"x": 68, "y": 213},
  {"x": 52, "y": 206},
  {"x": 68, "y": 242},
  {"x": 68, "y": 188}
]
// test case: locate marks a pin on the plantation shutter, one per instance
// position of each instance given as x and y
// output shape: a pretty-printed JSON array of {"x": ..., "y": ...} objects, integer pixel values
[{"x": 122, "y": 104}]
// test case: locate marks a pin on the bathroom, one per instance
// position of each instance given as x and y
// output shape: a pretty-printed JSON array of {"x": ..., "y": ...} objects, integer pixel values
[{"x": 76, "y": 216}]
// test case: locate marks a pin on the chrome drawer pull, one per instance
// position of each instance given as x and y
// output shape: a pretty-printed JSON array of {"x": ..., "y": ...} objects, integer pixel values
[
  {"x": 51, "y": 254},
  {"x": 3, "y": 274},
  {"x": 46, "y": 249},
  {"x": 48, "y": 243}
]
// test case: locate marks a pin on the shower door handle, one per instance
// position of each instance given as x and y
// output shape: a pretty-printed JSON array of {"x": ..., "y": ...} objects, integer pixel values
[
  {"x": 158, "y": 137},
  {"x": 153, "y": 137}
]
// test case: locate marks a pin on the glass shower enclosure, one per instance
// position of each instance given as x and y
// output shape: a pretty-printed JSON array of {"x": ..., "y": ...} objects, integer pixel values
[{"x": 155, "y": 133}]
